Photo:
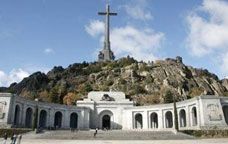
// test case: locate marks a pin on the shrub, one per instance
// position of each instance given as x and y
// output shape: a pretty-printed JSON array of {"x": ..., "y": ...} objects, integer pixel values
[
  {"x": 149, "y": 79},
  {"x": 168, "y": 97},
  {"x": 71, "y": 98},
  {"x": 9, "y": 132},
  {"x": 126, "y": 61},
  {"x": 196, "y": 91},
  {"x": 207, "y": 133},
  {"x": 225, "y": 93}
]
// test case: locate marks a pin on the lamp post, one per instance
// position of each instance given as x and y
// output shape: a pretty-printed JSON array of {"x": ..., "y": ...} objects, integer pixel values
[
  {"x": 35, "y": 120},
  {"x": 175, "y": 114}
]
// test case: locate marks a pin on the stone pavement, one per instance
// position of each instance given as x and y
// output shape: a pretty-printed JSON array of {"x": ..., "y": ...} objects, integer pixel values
[
  {"x": 108, "y": 135},
  {"x": 193, "y": 141},
  {"x": 114, "y": 137}
]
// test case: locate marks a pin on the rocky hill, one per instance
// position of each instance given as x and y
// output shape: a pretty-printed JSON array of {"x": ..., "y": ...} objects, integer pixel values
[{"x": 146, "y": 83}]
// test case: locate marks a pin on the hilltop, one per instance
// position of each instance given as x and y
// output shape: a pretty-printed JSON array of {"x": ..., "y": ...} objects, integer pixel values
[{"x": 146, "y": 83}]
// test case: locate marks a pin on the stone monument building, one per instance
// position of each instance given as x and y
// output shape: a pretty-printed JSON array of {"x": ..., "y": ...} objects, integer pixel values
[{"x": 111, "y": 110}]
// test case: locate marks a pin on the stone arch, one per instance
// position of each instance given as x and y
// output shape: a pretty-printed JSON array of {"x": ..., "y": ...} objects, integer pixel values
[
  {"x": 74, "y": 120},
  {"x": 106, "y": 122},
  {"x": 182, "y": 118},
  {"x": 43, "y": 119},
  {"x": 58, "y": 119},
  {"x": 225, "y": 112},
  {"x": 153, "y": 120},
  {"x": 169, "y": 119},
  {"x": 17, "y": 115},
  {"x": 138, "y": 121},
  {"x": 29, "y": 117},
  {"x": 106, "y": 119},
  {"x": 194, "y": 116}
]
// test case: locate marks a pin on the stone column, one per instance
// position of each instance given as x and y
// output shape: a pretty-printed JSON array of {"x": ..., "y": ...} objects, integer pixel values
[
  {"x": 145, "y": 120},
  {"x": 22, "y": 114}
]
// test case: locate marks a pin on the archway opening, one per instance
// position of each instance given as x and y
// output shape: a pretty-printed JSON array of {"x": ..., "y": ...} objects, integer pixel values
[
  {"x": 74, "y": 120},
  {"x": 154, "y": 120},
  {"x": 28, "y": 118},
  {"x": 106, "y": 122},
  {"x": 194, "y": 116},
  {"x": 43, "y": 119},
  {"x": 169, "y": 119},
  {"x": 182, "y": 116},
  {"x": 106, "y": 118},
  {"x": 17, "y": 115},
  {"x": 225, "y": 112},
  {"x": 138, "y": 121},
  {"x": 58, "y": 120}
]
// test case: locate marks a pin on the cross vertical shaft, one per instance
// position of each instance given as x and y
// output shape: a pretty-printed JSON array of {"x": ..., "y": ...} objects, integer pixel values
[
  {"x": 107, "y": 27},
  {"x": 106, "y": 53}
]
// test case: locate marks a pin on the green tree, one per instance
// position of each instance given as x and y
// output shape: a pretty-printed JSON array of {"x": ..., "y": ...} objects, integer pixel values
[
  {"x": 168, "y": 96},
  {"x": 53, "y": 95}
]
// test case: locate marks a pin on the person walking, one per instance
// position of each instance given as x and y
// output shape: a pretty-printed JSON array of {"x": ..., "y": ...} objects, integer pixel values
[
  {"x": 14, "y": 139},
  {"x": 5, "y": 138},
  {"x": 95, "y": 133}
]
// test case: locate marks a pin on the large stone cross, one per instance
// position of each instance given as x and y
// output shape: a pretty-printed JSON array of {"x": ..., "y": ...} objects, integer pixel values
[{"x": 107, "y": 14}]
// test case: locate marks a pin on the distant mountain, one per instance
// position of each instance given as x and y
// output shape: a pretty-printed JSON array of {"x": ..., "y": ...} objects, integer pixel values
[{"x": 146, "y": 83}]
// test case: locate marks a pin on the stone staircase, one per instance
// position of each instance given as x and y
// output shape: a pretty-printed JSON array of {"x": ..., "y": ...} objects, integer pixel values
[{"x": 109, "y": 135}]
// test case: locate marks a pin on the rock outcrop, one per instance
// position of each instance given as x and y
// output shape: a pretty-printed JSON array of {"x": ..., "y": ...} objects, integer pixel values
[{"x": 146, "y": 83}]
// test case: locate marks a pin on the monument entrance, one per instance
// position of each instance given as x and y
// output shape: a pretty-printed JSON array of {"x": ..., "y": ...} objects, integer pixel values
[
  {"x": 73, "y": 120},
  {"x": 43, "y": 119},
  {"x": 106, "y": 122},
  {"x": 17, "y": 115},
  {"x": 58, "y": 120}
]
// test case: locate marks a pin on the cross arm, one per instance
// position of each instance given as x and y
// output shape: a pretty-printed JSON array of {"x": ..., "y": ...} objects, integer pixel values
[
  {"x": 102, "y": 13},
  {"x": 114, "y": 14}
]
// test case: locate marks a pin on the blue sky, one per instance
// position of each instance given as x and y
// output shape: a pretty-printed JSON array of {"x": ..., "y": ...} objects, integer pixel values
[{"x": 36, "y": 35}]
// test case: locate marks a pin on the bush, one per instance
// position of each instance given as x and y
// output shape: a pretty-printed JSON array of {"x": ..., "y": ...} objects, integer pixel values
[
  {"x": 126, "y": 61},
  {"x": 207, "y": 133},
  {"x": 9, "y": 132},
  {"x": 225, "y": 93},
  {"x": 168, "y": 96},
  {"x": 196, "y": 91},
  {"x": 137, "y": 89}
]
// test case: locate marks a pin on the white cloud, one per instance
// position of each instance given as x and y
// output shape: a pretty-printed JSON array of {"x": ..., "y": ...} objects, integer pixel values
[
  {"x": 49, "y": 51},
  {"x": 224, "y": 63},
  {"x": 138, "y": 10},
  {"x": 208, "y": 34},
  {"x": 141, "y": 43},
  {"x": 95, "y": 28},
  {"x": 16, "y": 75}
]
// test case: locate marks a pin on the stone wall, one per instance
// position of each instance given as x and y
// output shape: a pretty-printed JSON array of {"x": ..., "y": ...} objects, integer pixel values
[
  {"x": 21, "y": 113},
  {"x": 203, "y": 112}
]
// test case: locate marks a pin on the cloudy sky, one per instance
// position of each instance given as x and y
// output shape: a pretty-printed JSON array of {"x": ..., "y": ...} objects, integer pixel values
[{"x": 36, "y": 35}]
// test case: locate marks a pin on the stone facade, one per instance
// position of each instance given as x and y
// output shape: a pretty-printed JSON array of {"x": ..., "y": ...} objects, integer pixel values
[
  {"x": 19, "y": 112},
  {"x": 111, "y": 110}
]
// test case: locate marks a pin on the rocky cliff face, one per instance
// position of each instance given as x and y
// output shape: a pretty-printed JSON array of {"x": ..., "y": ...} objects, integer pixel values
[{"x": 146, "y": 83}]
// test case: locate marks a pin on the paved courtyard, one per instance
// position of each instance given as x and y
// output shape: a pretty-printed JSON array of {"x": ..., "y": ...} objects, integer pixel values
[
  {"x": 114, "y": 137},
  {"x": 108, "y": 135},
  {"x": 195, "y": 141}
]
